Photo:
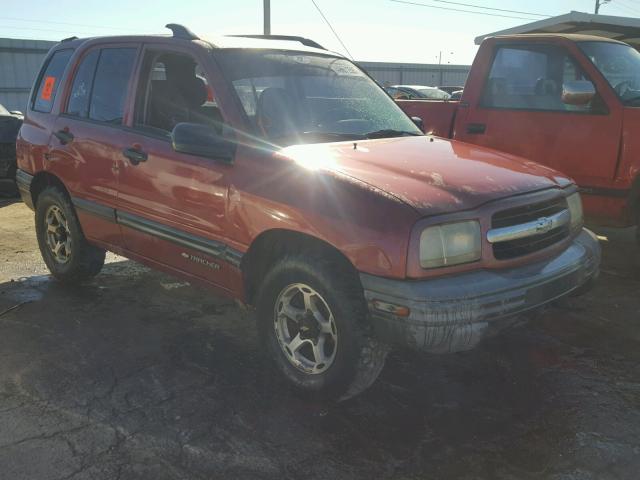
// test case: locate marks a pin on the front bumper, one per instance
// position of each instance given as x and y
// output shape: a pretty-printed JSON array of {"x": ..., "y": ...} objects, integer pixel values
[{"x": 454, "y": 313}]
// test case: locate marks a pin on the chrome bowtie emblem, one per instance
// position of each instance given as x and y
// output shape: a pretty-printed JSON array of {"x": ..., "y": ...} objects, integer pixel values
[{"x": 544, "y": 224}]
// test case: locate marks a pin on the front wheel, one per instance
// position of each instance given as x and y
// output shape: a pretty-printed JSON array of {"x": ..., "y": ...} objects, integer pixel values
[
  {"x": 64, "y": 248},
  {"x": 313, "y": 319}
]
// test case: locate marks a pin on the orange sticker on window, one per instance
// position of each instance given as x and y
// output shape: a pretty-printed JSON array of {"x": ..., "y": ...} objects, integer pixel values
[{"x": 47, "y": 90}]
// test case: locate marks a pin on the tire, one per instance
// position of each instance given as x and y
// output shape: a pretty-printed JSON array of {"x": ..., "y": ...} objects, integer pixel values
[
  {"x": 77, "y": 260},
  {"x": 354, "y": 359}
]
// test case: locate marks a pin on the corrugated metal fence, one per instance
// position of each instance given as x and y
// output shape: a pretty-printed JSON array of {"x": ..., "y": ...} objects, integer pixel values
[
  {"x": 417, "y": 73},
  {"x": 20, "y": 62}
]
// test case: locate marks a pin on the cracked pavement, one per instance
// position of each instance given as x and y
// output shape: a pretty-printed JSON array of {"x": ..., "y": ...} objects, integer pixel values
[{"x": 137, "y": 375}]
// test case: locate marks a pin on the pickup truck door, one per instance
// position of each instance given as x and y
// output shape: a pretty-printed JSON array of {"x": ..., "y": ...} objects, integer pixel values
[
  {"x": 172, "y": 206},
  {"x": 519, "y": 110}
]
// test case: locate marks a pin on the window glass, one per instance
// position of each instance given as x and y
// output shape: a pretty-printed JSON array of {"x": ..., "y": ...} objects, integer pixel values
[
  {"x": 81, "y": 89},
  {"x": 110, "y": 85},
  {"x": 295, "y": 98},
  {"x": 50, "y": 80},
  {"x": 620, "y": 65},
  {"x": 531, "y": 78},
  {"x": 174, "y": 89}
]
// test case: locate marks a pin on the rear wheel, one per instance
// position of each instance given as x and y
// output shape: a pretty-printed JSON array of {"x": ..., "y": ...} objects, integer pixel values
[
  {"x": 313, "y": 320},
  {"x": 64, "y": 248}
]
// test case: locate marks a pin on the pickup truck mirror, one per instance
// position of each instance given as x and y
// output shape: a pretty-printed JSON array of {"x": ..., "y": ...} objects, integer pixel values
[
  {"x": 202, "y": 141},
  {"x": 578, "y": 92},
  {"x": 419, "y": 123}
]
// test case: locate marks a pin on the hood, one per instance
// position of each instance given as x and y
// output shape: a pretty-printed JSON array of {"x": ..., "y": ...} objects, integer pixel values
[{"x": 430, "y": 174}]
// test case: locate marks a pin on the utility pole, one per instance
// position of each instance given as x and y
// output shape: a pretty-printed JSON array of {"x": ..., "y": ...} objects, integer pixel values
[
  {"x": 266, "y": 10},
  {"x": 440, "y": 65},
  {"x": 600, "y": 3}
]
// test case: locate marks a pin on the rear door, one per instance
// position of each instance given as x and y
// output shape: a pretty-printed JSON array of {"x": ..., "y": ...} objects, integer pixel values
[
  {"x": 520, "y": 111},
  {"x": 88, "y": 137}
]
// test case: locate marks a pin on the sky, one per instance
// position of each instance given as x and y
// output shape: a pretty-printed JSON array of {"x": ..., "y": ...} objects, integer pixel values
[{"x": 372, "y": 30}]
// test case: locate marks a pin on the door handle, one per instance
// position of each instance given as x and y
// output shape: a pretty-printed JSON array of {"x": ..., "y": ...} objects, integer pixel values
[
  {"x": 135, "y": 155},
  {"x": 64, "y": 136},
  {"x": 476, "y": 128}
]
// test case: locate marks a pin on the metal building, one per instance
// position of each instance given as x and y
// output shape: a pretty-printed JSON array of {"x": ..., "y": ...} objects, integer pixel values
[
  {"x": 20, "y": 62},
  {"x": 417, "y": 73}
]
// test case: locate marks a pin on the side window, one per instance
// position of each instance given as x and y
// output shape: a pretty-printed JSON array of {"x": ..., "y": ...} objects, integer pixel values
[
  {"x": 49, "y": 81},
  {"x": 531, "y": 78},
  {"x": 111, "y": 83},
  {"x": 78, "y": 104},
  {"x": 173, "y": 88}
]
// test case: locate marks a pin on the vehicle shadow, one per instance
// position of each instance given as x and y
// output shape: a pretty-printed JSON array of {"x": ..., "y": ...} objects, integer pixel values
[{"x": 143, "y": 373}]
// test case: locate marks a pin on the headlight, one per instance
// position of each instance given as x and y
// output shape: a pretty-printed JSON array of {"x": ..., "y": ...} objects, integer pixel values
[
  {"x": 450, "y": 244},
  {"x": 574, "y": 202}
]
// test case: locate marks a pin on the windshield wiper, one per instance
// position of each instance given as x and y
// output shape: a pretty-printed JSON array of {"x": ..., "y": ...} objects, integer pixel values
[{"x": 389, "y": 133}]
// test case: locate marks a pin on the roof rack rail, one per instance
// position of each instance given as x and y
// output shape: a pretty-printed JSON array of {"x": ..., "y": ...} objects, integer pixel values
[
  {"x": 180, "y": 31},
  {"x": 304, "y": 41},
  {"x": 68, "y": 39}
]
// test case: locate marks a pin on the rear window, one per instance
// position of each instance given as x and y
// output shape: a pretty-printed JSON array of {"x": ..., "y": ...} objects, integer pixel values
[{"x": 49, "y": 80}]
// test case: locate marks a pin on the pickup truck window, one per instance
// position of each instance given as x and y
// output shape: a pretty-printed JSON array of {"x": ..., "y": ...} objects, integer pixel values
[
  {"x": 49, "y": 80},
  {"x": 295, "y": 97},
  {"x": 530, "y": 78},
  {"x": 620, "y": 65}
]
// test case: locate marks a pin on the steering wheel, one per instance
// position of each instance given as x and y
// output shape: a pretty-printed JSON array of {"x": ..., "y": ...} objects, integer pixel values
[
  {"x": 336, "y": 114},
  {"x": 622, "y": 88}
]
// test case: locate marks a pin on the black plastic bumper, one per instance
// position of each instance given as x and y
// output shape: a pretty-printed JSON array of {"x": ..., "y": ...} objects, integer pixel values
[{"x": 454, "y": 313}]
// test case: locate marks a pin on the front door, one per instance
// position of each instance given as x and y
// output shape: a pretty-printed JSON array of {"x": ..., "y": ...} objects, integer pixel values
[
  {"x": 521, "y": 112},
  {"x": 172, "y": 206}
]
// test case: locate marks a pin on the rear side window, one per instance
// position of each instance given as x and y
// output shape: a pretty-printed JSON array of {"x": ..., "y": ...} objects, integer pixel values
[
  {"x": 49, "y": 81},
  {"x": 110, "y": 84},
  {"x": 82, "y": 83}
]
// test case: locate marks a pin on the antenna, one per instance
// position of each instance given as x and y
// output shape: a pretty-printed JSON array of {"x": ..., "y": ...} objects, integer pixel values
[{"x": 180, "y": 31}]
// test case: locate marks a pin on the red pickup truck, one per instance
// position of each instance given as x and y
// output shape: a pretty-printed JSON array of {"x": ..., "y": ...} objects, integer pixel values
[
  {"x": 571, "y": 102},
  {"x": 279, "y": 174}
]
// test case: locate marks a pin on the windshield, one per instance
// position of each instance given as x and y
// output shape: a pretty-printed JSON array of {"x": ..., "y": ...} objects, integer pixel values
[
  {"x": 4, "y": 111},
  {"x": 620, "y": 65},
  {"x": 296, "y": 98}
]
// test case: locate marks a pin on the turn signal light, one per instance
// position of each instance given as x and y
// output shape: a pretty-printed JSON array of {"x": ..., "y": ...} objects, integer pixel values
[{"x": 387, "y": 307}]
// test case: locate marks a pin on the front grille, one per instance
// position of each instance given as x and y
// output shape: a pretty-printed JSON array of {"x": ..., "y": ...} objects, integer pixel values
[{"x": 516, "y": 216}]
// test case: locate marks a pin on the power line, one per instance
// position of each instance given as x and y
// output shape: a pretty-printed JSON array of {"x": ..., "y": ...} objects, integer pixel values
[
  {"x": 628, "y": 7},
  {"x": 464, "y": 11},
  {"x": 490, "y": 8},
  {"x": 62, "y": 23},
  {"x": 334, "y": 32}
]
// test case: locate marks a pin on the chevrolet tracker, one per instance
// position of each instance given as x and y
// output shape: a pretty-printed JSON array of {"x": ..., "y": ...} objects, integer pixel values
[{"x": 279, "y": 174}]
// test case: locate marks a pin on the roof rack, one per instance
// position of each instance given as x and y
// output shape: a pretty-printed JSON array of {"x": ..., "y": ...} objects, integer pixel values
[
  {"x": 180, "y": 31},
  {"x": 304, "y": 41},
  {"x": 68, "y": 39}
]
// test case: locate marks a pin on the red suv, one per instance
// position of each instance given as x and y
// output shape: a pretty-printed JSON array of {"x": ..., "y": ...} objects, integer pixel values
[{"x": 280, "y": 174}]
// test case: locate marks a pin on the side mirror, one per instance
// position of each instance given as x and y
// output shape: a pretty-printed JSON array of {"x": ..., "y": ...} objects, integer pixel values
[
  {"x": 15, "y": 112},
  {"x": 579, "y": 92},
  {"x": 202, "y": 141},
  {"x": 419, "y": 123}
]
